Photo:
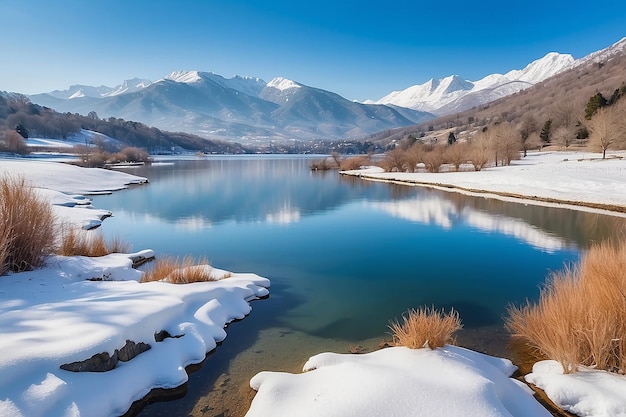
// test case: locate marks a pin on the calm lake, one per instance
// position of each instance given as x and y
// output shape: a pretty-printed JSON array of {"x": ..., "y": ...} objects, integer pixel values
[{"x": 344, "y": 256}]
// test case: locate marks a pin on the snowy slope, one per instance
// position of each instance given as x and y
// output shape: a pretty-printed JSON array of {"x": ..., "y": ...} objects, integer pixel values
[{"x": 453, "y": 93}]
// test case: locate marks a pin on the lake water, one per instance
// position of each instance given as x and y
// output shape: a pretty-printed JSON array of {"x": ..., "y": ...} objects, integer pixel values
[{"x": 344, "y": 256}]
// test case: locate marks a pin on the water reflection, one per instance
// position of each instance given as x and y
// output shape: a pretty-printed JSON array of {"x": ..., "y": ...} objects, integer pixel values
[
  {"x": 437, "y": 210},
  {"x": 195, "y": 194}
]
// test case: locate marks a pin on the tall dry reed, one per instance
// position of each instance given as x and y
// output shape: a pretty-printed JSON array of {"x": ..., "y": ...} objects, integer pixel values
[
  {"x": 27, "y": 223},
  {"x": 78, "y": 242},
  {"x": 175, "y": 271},
  {"x": 580, "y": 318},
  {"x": 425, "y": 327}
]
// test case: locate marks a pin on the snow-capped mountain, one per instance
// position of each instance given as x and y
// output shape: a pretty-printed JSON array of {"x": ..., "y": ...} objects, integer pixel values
[
  {"x": 603, "y": 55},
  {"x": 78, "y": 90},
  {"x": 238, "y": 108},
  {"x": 453, "y": 94},
  {"x": 242, "y": 108}
]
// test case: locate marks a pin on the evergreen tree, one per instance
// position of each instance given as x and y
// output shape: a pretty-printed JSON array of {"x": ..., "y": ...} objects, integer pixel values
[
  {"x": 545, "y": 133},
  {"x": 595, "y": 102},
  {"x": 451, "y": 138},
  {"x": 614, "y": 97},
  {"x": 22, "y": 131}
]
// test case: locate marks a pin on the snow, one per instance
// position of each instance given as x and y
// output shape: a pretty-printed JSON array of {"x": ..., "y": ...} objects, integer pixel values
[
  {"x": 77, "y": 307},
  {"x": 398, "y": 381},
  {"x": 282, "y": 84},
  {"x": 59, "y": 314},
  {"x": 436, "y": 95},
  {"x": 587, "y": 392},
  {"x": 188, "y": 77},
  {"x": 578, "y": 179}
]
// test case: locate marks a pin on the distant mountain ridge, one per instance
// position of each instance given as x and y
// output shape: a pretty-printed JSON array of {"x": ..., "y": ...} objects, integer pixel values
[
  {"x": 249, "y": 109},
  {"x": 452, "y": 94},
  {"x": 243, "y": 109}
]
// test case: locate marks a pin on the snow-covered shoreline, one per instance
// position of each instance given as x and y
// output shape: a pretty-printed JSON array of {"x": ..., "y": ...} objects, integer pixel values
[
  {"x": 569, "y": 179},
  {"x": 76, "y": 307}
]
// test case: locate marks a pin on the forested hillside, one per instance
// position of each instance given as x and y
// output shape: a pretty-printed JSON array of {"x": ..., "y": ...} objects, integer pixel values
[{"x": 21, "y": 119}]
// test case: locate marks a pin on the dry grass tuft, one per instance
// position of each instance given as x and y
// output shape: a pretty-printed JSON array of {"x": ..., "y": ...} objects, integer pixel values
[
  {"x": 78, "y": 242},
  {"x": 27, "y": 224},
  {"x": 425, "y": 327},
  {"x": 179, "y": 272},
  {"x": 580, "y": 318}
]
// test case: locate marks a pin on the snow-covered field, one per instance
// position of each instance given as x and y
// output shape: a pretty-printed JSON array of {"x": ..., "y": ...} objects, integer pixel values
[
  {"x": 582, "y": 179},
  {"x": 57, "y": 315}
]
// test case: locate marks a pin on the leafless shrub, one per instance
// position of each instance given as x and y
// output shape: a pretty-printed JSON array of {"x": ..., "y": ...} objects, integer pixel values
[
  {"x": 13, "y": 142},
  {"x": 394, "y": 160},
  {"x": 354, "y": 162},
  {"x": 425, "y": 327},
  {"x": 323, "y": 164},
  {"x": 580, "y": 318},
  {"x": 413, "y": 156},
  {"x": 434, "y": 159},
  {"x": 30, "y": 223},
  {"x": 457, "y": 154}
]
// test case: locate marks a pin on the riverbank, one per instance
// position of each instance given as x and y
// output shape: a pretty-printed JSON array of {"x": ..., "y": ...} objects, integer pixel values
[
  {"x": 82, "y": 336},
  {"x": 578, "y": 180}
]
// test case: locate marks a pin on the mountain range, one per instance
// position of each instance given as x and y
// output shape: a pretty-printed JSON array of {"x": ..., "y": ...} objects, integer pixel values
[{"x": 249, "y": 109}]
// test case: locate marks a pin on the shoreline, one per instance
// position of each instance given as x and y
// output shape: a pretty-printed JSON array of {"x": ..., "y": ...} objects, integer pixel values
[{"x": 607, "y": 209}]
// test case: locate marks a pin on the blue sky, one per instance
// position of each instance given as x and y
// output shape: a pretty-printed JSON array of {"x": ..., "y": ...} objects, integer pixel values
[{"x": 359, "y": 49}]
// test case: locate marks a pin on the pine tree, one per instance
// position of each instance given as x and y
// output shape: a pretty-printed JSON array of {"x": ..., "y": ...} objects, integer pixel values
[
  {"x": 595, "y": 102},
  {"x": 545, "y": 133},
  {"x": 451, "y": 138},
  {"x": 614, "y": 97}
]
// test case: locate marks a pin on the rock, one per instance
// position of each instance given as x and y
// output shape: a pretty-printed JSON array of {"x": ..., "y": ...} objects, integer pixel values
[
  {"x": 164, "y": 334},
  {"x": 103, "y": 362},
  {"x": 100, "y": 362},
  {"x": 131, "y": 349}
]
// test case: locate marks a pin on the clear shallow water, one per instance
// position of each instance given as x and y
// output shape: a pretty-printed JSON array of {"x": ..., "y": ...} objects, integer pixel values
[{"x": 344, "y": 256}]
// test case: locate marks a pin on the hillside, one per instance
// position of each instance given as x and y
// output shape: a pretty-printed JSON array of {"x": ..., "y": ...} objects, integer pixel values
[
  {"x": 18, "y": 113},
  {"x": 561, "y": 99}
]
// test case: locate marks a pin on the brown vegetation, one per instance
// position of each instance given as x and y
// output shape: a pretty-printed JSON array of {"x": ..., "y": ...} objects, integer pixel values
[
  {"x": 580, "y": 318},
  {"x": 354, "y": 162},
  {"x": 27, "y": 224},
  {"x": 561, "y": 99},
  {"x": 101, "y": 154},
  {"x": 77, "y": 242},
  {"x": 178, "y": 272},
  {"x": 498, "y": 143},
  {"x": 425, "y": 327}
]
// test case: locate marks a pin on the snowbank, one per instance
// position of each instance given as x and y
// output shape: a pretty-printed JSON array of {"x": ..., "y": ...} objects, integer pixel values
[
  {"x": 573, "y": 178},
  {"x": 399, "y": 382},
  {"x": 77, "y": 308},
  {"x": 62, "y": 314}
]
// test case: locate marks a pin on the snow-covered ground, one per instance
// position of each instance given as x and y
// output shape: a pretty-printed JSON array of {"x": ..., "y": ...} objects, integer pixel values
[
  {"x": 573, "y": 178},
  {"x": 77, "y": 307},
  {"x": 57, "y": 315}
]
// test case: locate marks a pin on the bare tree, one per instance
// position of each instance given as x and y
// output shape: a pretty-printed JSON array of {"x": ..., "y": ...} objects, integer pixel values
[
  {"x": 606, "y": 128},
  {"x": 480, "y": 151},
  {"x": 457, "y": 154},
  {"x": 563, "y": 136}
]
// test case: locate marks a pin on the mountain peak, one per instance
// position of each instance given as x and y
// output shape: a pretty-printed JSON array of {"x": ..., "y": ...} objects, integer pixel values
[
  {"x": 184, "y": 76},
  {"x": 542, "y": 68},
  {"x": 282, "y": 84}
]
